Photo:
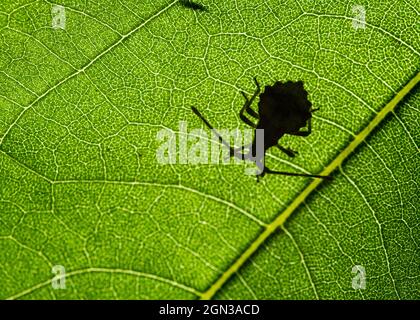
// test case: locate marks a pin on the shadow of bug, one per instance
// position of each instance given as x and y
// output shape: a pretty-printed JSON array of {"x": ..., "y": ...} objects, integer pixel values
[
  {"x": 193, "y": 5},
  {"x": 283, "y": 108}
]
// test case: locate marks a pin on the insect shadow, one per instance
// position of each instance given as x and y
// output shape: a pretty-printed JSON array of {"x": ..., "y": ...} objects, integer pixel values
[
  {"x": 193, "y": 5},
  {"x": 282, "y": 109}
]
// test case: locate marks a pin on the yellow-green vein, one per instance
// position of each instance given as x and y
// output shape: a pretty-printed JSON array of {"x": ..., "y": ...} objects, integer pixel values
[{"x": 283, "y": 216}]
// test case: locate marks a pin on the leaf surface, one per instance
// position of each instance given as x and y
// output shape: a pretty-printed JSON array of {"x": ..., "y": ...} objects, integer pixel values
[{"x": 80, "y": 185}]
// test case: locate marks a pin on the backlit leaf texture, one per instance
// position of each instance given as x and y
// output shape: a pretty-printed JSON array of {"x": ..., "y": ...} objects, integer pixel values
[{"x": 80, "y": 185}]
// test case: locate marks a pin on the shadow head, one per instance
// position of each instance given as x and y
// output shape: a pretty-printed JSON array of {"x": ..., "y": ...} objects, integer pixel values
[{"x": 284, "y": 107}]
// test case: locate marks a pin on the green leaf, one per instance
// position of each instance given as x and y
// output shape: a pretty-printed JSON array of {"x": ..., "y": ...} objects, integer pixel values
[
  {"x": 366, "y": 217},
  {"x": 81, "y": 187}
]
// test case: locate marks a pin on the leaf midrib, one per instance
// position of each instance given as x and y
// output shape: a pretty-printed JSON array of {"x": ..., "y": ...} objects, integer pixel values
[{"x": 284, "y": 215}]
